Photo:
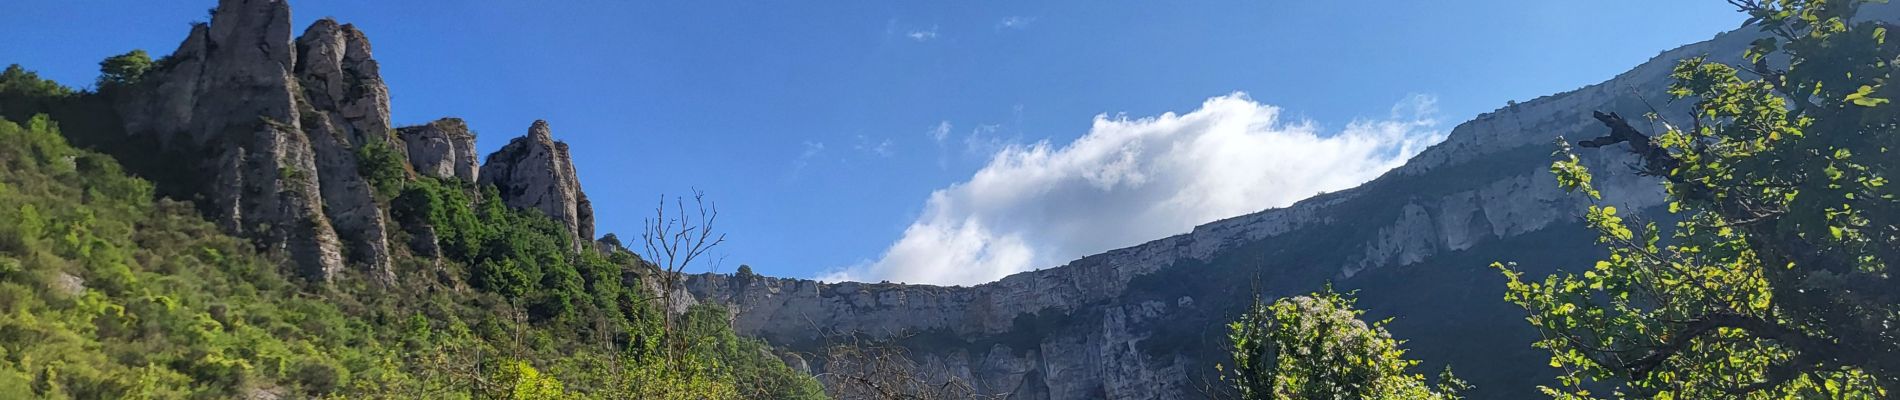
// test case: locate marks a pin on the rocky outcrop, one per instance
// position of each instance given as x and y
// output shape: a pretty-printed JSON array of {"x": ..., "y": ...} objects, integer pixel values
[
  {"x": 442, "y": 149},
  {"x": 345, "y": 107},
  {"x": 228, "y": 93},
  {"x": 343, "y": 83},
  {"x": 279, "y": 125},
  {"x": 278, "y": 129},
  {"x": 536, "y": 172},
  {"x": 1145, "y": 322}
]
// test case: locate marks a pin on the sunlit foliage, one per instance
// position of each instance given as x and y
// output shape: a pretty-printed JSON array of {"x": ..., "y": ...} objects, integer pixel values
[{"x": 1775, "y": 282}]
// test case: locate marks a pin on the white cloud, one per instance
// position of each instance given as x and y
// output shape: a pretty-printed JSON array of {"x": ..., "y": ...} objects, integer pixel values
[
  {"x": 985, "y": 139},
  {"x": 923, "y": 35},
  {"x": 1015, "y": 22},
  {"x": 812, "y": 150},
  {"x": 880, "y": 149},
  {"x": 1132, "y": 180},
  {"x": 941, "y": 131}
]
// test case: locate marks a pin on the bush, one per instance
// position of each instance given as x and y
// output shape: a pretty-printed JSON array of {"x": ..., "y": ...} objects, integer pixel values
[
  {"x": 319, "y": 378},
  {"x": 124, "y": 69},
  {"x": 383, "y": 167},
  {"x": 1316, "y": 347}
]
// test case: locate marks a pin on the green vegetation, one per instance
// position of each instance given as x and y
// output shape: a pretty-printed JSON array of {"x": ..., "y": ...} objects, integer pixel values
[
  {"x": 1316, "y": 347},
  {"x": 114, "y": 295},
  {"x": 1771, "y": 284},
  {"x": 124, "y": 69},
  {"x": 110, "y": 290},
  {"x": 23, "y": 93},
  {"x": 89, "y": 121},
  {"x": 1775, "y": 282},
  {"x": 383, "y": 166}
]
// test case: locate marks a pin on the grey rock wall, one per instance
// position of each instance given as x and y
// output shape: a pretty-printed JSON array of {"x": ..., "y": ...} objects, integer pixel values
[
  {"x": 1117, "y": 334},
  {"x": 281, "y": 125},
  {"x": 537, "y": 172},
  {"x": 228, "y": 92},
  {"x": 443, "y": 149}
]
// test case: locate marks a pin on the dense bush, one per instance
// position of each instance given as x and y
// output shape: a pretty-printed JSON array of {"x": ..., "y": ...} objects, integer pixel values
[
  {"x": 1317, "y": 347},
  {"x": 382, "y": 166},
  {"x": 517, "y": 254},
  {"x": 124, "y": 69}
]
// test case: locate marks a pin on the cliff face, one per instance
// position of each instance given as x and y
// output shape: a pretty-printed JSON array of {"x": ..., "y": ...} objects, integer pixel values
[
  {"x": 442, "y": 149},
  {"x": 344, "y": 106},
  {"x": 278, "y": 128},
  {"x": 229, "y": 93},
  {"x": 536, "y": 172},
  {"x": 1146, "y": 322}
]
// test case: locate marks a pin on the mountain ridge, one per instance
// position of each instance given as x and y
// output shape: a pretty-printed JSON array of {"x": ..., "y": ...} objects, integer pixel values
[{"x": 1100, "y": 326}]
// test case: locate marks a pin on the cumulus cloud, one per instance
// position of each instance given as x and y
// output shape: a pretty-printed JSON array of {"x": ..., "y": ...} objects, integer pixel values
[{"x": 1132, "y": 180}]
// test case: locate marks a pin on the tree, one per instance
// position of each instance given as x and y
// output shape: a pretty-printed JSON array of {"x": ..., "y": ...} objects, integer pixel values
[
  {"x": 673, "y": 243},
  {"x": 1316, "y": 347},
  {"x": 124, "y": 69},
  {"x": 24, "y": 94},
  {"x": 523, "y": 382},
  {"x": 745, "y": 271},
  {"x": 1773, "y": 282}
]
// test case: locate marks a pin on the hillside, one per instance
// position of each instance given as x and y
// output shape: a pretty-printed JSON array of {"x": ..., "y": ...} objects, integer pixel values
[{"x": 271, "y": 235}]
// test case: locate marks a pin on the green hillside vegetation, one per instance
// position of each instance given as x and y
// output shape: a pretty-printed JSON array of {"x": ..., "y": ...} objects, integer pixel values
[{"x": 108, "y": 290}]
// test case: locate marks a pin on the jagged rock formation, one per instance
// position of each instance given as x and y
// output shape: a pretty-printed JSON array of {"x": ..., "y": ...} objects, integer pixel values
[
  {"x": 536, "y": 172},
  {"x": 228, "y": 92},
  {"x": 344, "y": 106},
  {"x": 1146, "y": 322},
  {"x": 443, "y": 149},
  {"x": 280, "y": 128}
]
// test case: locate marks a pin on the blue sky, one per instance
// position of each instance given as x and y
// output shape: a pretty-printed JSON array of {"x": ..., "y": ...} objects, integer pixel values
[{"x": 824, "y": 128}]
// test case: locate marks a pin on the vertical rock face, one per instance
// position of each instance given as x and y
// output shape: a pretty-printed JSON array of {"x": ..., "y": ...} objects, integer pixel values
[
  {"x": 345, "y": 106},
  {"x": 280, "y": 125},
  {"x": 341, "y": 81},
  {"x": 536, "y": 172},
  {"x": 442, "y": 149}
]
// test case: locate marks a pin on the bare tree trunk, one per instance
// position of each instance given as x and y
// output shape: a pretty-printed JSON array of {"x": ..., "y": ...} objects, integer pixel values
[{"x": 672, "y": 244}]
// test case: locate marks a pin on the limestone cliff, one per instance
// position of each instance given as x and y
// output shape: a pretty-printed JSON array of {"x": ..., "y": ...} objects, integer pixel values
[
  {"x": 536, "y": 172},
  {"x": 278, "y": 129},
  {"x": 443, "y": 149},
  {"x": 228, "y": 93},
  {"x": 1145, "y": 322},
  {"x": 344, "y": 106}
]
